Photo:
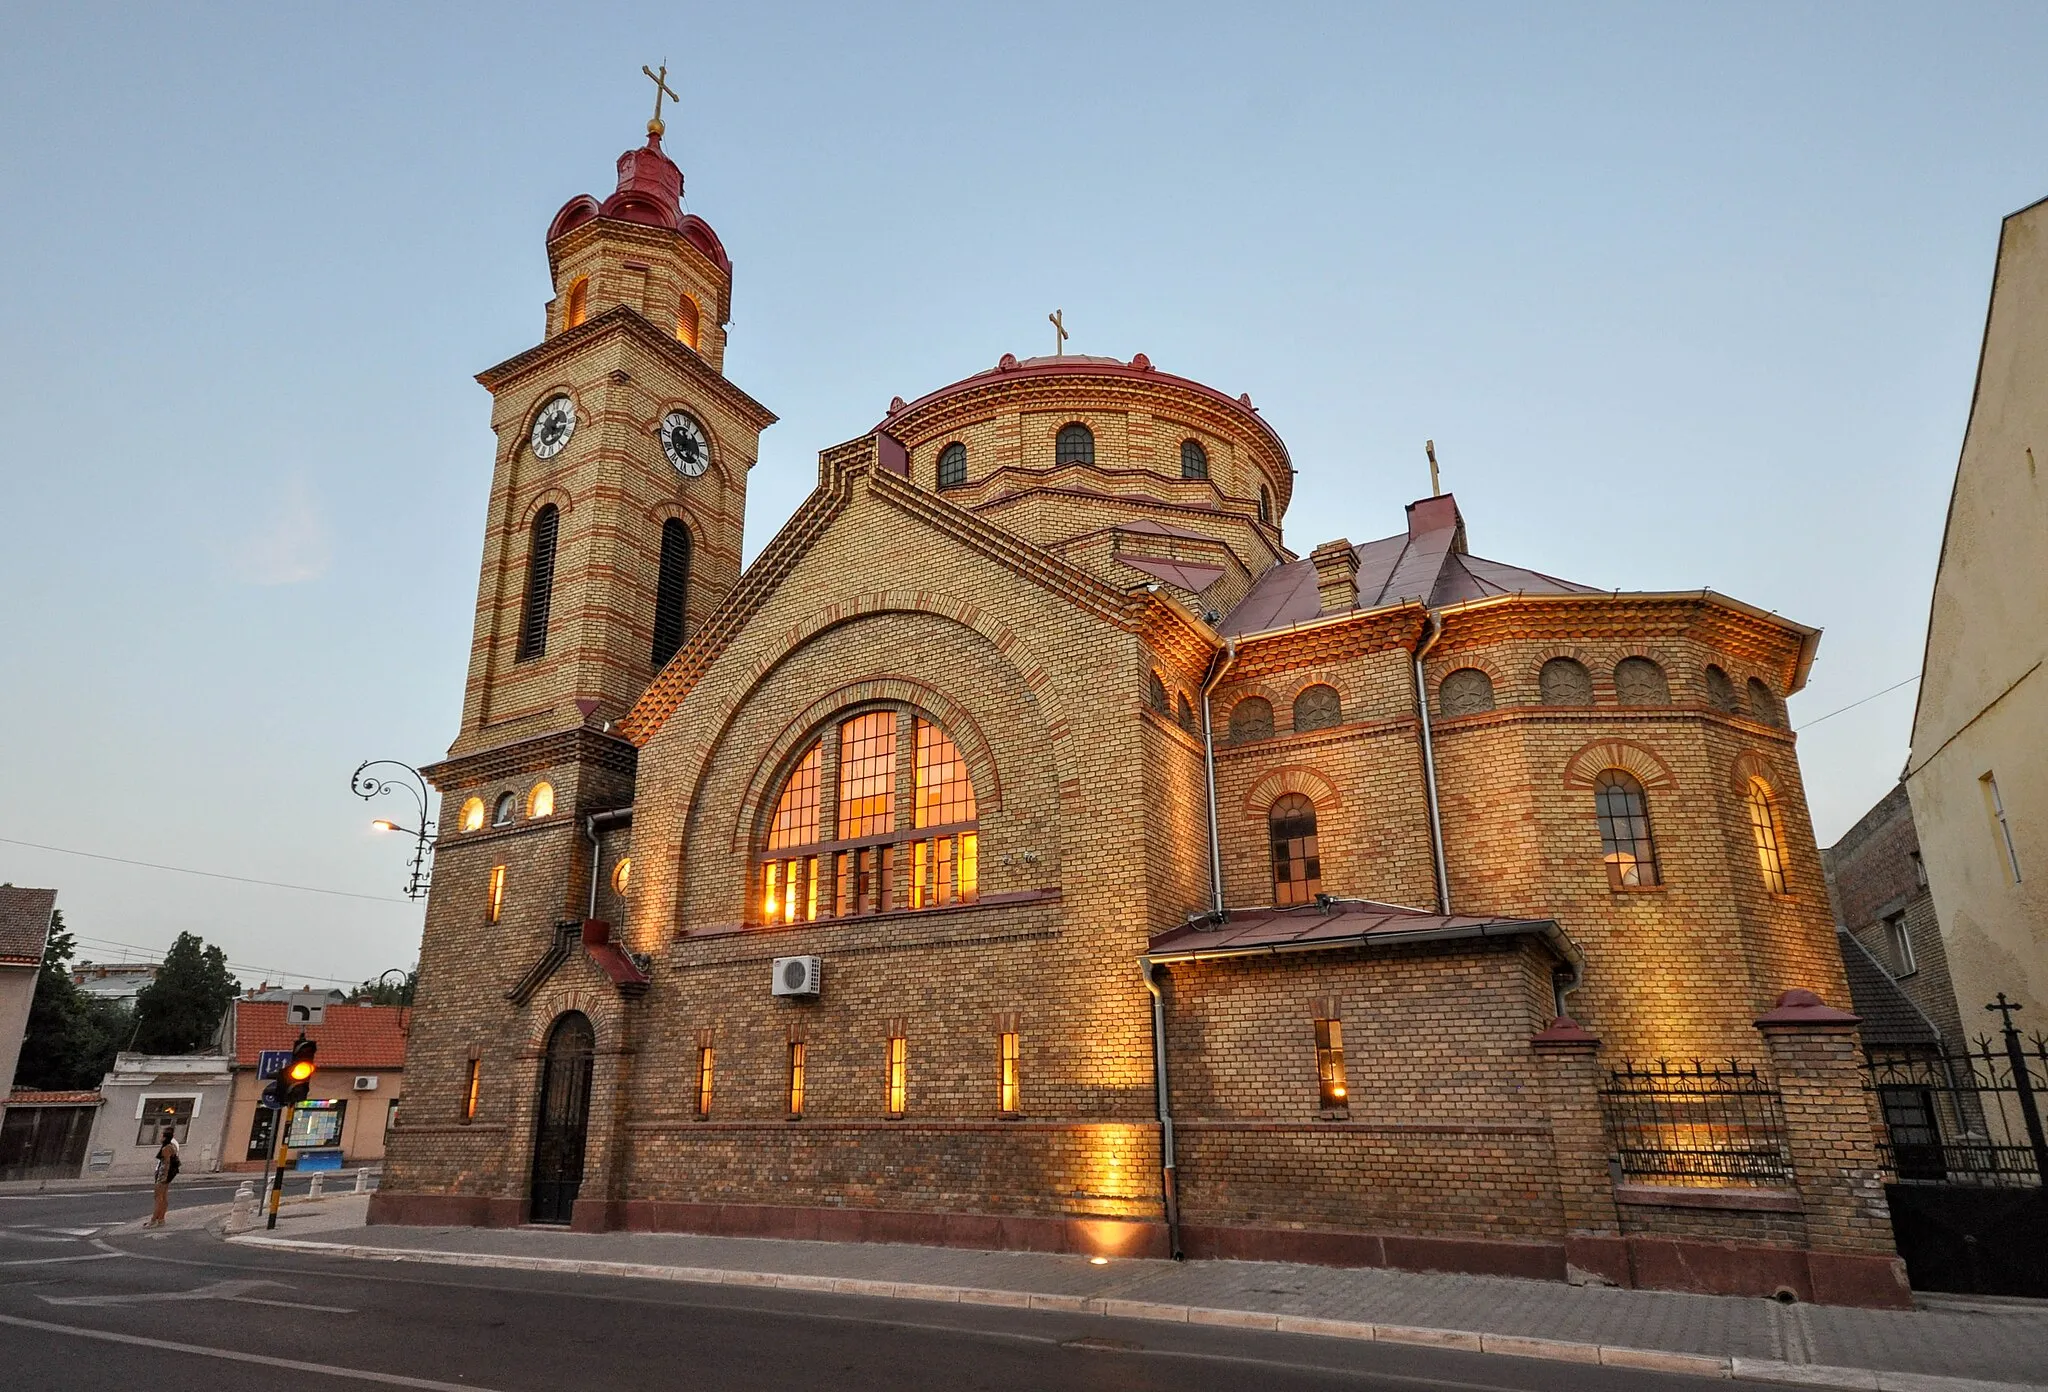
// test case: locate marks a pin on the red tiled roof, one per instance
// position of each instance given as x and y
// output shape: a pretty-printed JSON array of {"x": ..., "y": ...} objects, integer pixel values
[
  {"x": 25, "y": 1097},
  {"x": 24, "y": 923},
  {"x": 352, "y": 1036}
]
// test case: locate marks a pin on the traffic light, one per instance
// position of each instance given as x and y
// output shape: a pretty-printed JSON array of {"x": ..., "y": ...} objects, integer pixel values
[{"x": 289, "y": 1088}]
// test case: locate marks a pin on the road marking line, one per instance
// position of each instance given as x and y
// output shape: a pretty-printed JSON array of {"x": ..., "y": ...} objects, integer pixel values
[
  {"x": 237, "y": 1356},
  {"x": 52, "y": 1261},
  {"x": 237, "y": 1291}
]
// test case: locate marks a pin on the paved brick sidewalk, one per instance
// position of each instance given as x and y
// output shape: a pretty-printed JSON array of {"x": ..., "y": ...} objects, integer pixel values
[{"x": 1999, "y": 1344}]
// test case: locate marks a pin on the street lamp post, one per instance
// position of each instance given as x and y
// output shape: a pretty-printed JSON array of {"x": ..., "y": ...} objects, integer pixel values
[{"x": 367, "y": 785}]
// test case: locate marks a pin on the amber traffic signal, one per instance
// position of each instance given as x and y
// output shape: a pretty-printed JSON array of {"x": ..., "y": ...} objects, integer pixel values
[{"x": 290, "y": 1087}]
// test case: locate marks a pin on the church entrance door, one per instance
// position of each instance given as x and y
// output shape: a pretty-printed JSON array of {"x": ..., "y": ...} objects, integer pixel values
[{"x": 564, "y": 1119}]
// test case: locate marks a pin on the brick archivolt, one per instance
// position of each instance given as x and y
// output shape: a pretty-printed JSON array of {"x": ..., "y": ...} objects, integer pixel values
[
  {"x": 1583, "y": 767},
  {"x": 558, "y": 496},
  {"x": 1751, "y": 764},
  {"x": 601, "y": 1006},
  {"x": 1291, "y": 778},
  {"x": 950, "y": 715}
]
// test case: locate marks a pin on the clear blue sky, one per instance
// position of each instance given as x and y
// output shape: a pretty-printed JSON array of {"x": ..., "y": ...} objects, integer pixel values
[{"x": 1686, "y": 296}]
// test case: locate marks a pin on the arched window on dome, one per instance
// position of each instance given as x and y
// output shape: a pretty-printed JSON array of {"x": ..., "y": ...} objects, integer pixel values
[
  {"x": 1467, "y": 691},
  {"x": 874, "y": 865},
  {"x": 1251, "y": 719},
  {"x": 1265, "y": 503},
  {"x": 1194, "y": 460},
  {"x": 540, "y": 583},
  {"x": 1641, "y": 682},
  {"x": 687, "y": 321},
  {"x": 671, "y": 591},
  {"x": 1720, "y": 691},
  {"x": 1763, "y": 703},
  {"x": 1076, "y": 445},
  {"x": 1318, "y": 708},
  {"x": 1297, "y": 863},
  {"x": 578, "y": 308},
  {"x": 1564, "y": 681},
  {"x": 1625, "y": 842},
  {"x": 953, "y": 465},
  {"x": 1769, "y": 834}
]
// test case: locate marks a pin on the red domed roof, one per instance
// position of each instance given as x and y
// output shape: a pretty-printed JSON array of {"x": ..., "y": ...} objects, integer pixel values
[{"x": 650, "y": 192}]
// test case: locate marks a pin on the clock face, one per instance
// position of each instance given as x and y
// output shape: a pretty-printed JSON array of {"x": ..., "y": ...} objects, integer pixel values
[
  {"x": 553, "y": 427},
  {"x": 683, "y": 441}
]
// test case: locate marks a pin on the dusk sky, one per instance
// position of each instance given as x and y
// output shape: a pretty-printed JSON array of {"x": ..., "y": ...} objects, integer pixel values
[{"x": 1686, "y": 296}]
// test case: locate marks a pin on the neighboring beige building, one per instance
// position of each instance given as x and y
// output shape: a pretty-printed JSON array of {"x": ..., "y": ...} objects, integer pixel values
[{"x": 1978, "y": 777}]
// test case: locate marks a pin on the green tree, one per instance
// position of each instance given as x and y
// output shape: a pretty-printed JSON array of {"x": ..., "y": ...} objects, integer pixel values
[
  {"x": 179, "y": 1012},
  {"x": 72, "y": 1037},
  {"x": 379, "y": 991}
]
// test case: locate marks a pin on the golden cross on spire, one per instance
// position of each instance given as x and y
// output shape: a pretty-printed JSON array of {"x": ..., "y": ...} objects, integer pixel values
[
  {"x": 1059, "y": 344},
  {"x": 661, "y": 89}
]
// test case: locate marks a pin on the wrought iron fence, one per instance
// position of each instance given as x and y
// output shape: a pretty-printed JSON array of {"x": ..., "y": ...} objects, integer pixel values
[
  {"x": 1963, "y": 1116},
  {"x": 1696, "y": 1123}
]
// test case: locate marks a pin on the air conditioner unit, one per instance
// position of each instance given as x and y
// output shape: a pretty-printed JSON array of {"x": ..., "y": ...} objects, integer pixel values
[
  {"x": 797, "y": 976},
  {"x": 366, "y": 1082}
]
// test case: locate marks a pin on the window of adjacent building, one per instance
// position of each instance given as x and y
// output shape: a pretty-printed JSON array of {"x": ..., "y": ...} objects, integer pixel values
[
  {"x": 1251, "y": 719},
  {"x": 1763, "y": 703},
  {"x": 953, "y": 465},
  {"x": 473, "y": 814},
  {"x": 1467, "y": 691},
  {"x": 874, "y": 866},
  {"x": 1265, "y": 503},
  {"x": 1564, "y": 681},
  {"x": 622, "y": 874},
  {"x": 671, "y": 591},
  {"x": 494, "y": 904},
  {"x": 1007, "y": 1097},
  {"x": 506, "y": 809},
  {"x": 1641, "y": 682},
  {"x": 1720, "y": 690},
  {"x": 1919, "y": 869},
  {"x": 1331, "y": 1091},
  {"x": 390, "y": 1115},
  {"x": 165, "y": 1117},
  {"x": 579, "y": 303},
  {"x": 472, "y": 1087},
  {"x": 1996, "y": 804},
  {"x": 706, "y": 1066},
  {"x": 1194, "y": 460},
  {"x": 541, "y": 801},
  {"x": 1297, "y": 864},
  {"x": 899, "y": 1075},
  {"x": 1625, "y": 843},
  {"x": 540, "y": 583},
  {"x": 1155, "y": 694},
  {"x": 1075, "y": 445},
  {"x": 1901, "y": 944},
  {"x": 1768, "y": 834},
  {"x": 687, "y": 320},
  {"x": 796, "y": 1077},
  {"x": 1318, "y": 708}
]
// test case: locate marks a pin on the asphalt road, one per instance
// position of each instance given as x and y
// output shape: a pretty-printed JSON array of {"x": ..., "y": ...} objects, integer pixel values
[
  {"x": 32, "y": 1217},
  {"x": 182, "y": 1310}
]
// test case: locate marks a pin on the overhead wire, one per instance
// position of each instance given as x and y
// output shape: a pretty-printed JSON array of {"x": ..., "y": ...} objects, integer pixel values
[{"x": 207, "y": 874}]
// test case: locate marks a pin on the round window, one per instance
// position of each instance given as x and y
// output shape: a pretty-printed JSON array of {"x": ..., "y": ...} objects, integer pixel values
[{"x": 622, "y": 873}]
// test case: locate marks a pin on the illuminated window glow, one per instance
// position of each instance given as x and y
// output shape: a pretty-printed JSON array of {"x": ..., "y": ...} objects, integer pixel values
[
  {"x": 945, "y": 794},
  {"x": 496, "y": 901},
  {"x": 705, "y": 1066},
  {"x": 622, "y": 874},
  {"x": 471, "y": 1090},
  {"x": 899, "y": 1055},
  {"x": 473, "y": 814},
  {"x": 1625, "y": 842},
  {"x": 867, "y": 775},
  {"x": 1297, "y": 861},
  {"x": 796, "y": 1077},
  {"x": 541, "y": 801},
  {"x": 795, "y": 822},
  {"x": 687, "y": 320},
  {"x": 1007, "y": 1101},
  {"x": 1330, "y": 1065},
  {"x": 1763, "y": 825},
  {"x": 579, "y": 303}
]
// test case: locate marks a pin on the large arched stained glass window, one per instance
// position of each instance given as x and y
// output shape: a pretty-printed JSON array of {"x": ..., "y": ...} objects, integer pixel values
[
  {"x": 1625, "y": 842},
  {"x": 873, "y": 863},
  {"x": 1297, "y": 863}
]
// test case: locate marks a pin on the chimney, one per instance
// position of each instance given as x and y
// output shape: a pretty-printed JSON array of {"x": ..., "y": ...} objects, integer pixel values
[
  {"x": 1435, "y": 515},
  {"x": 1336, "y": 566}
]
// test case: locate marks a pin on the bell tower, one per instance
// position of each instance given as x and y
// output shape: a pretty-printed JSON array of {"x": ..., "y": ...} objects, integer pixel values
[{"x": 620, "y": 484}]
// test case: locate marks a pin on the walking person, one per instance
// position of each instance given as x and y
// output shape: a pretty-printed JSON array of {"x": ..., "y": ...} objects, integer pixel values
[{"x": 167, "y": 1165}]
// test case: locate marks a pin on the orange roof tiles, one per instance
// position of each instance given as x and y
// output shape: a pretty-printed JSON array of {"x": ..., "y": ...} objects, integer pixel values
[{"x": 352, "y": 1036}]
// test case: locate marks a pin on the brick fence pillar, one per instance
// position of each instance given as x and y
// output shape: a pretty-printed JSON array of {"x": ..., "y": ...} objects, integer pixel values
[
  {"x": 1594, "y": 1249},
  {"x": 1852, "y": 1257}
]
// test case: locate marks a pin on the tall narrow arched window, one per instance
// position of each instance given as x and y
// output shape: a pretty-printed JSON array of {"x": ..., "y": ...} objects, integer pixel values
[
  {"x": 687, "y": 321},
  {"x": 1769, "y": 834},
  {"x": 1720, "y": 690},
  {"x": 579, "y": 303},
  {"x": 671, "y": 590},
  {"x": 1297, "y": 864},
  {"x": 1076, "y": 445},
  {"x": 1625, "y": 841},
  {"x": 1251, "y": 719},
  {"x": 1194, "y": 460},
  {"x": 1318, "y": 708},
  {"x": 1155, "y": 694},
  {"x": 953, "y": 465},
  {"x": 1763, "y": 703},
  {"x": 540, "y": 582},
  {"x": 1265, "y": 503},
  {"x": 1187, "y": 714}
]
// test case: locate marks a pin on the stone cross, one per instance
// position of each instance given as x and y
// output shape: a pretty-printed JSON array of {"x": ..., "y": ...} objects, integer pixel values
[{"x": 1059, "y": 327}]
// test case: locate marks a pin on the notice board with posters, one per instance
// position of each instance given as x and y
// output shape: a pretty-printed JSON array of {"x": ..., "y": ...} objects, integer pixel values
[{"x": 315, "y": 1124}]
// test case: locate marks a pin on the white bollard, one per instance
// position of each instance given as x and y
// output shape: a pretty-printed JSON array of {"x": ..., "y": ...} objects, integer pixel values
[
  {"x": 362, "y": 1181},
  {"x": 314, "y": 1192},
  {"x": 245, "y": 1204}
]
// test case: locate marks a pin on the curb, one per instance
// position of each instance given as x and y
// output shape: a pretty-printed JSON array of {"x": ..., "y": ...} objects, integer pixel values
[{"x": 1510, "y": 1345}]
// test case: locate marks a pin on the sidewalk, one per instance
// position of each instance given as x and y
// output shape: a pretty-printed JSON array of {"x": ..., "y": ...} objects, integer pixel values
[{"x": 1983, "y": 1343}]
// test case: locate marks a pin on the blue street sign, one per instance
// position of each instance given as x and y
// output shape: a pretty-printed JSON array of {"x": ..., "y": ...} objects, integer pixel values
[{"x": 272, "y": 1063}]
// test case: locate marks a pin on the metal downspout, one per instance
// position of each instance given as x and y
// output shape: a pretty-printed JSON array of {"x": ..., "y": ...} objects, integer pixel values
[
  {"x": 597, "y": 848},
  {"x": 1209, "y": 769},
  {"x": 1168, "y": 1184},
  {"x": 1436, "y": 825}
]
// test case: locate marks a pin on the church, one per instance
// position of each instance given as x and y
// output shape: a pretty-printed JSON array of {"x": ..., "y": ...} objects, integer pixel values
[{"x": 1031, "y": 849}]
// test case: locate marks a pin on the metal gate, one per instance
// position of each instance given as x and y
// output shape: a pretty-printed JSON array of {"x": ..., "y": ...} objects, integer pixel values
[
  {"x": 38, "y": 1142},
  {"x": 564, "y": 1119},
  {"x": 1966, "y": 1153}
]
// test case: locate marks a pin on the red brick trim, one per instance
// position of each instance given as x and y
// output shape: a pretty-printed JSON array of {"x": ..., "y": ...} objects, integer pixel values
[{"x": 446, "y": 1210}]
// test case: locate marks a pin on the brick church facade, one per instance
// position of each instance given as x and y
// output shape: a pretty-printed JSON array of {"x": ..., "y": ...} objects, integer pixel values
[{"x": 1169, "y": 892}]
